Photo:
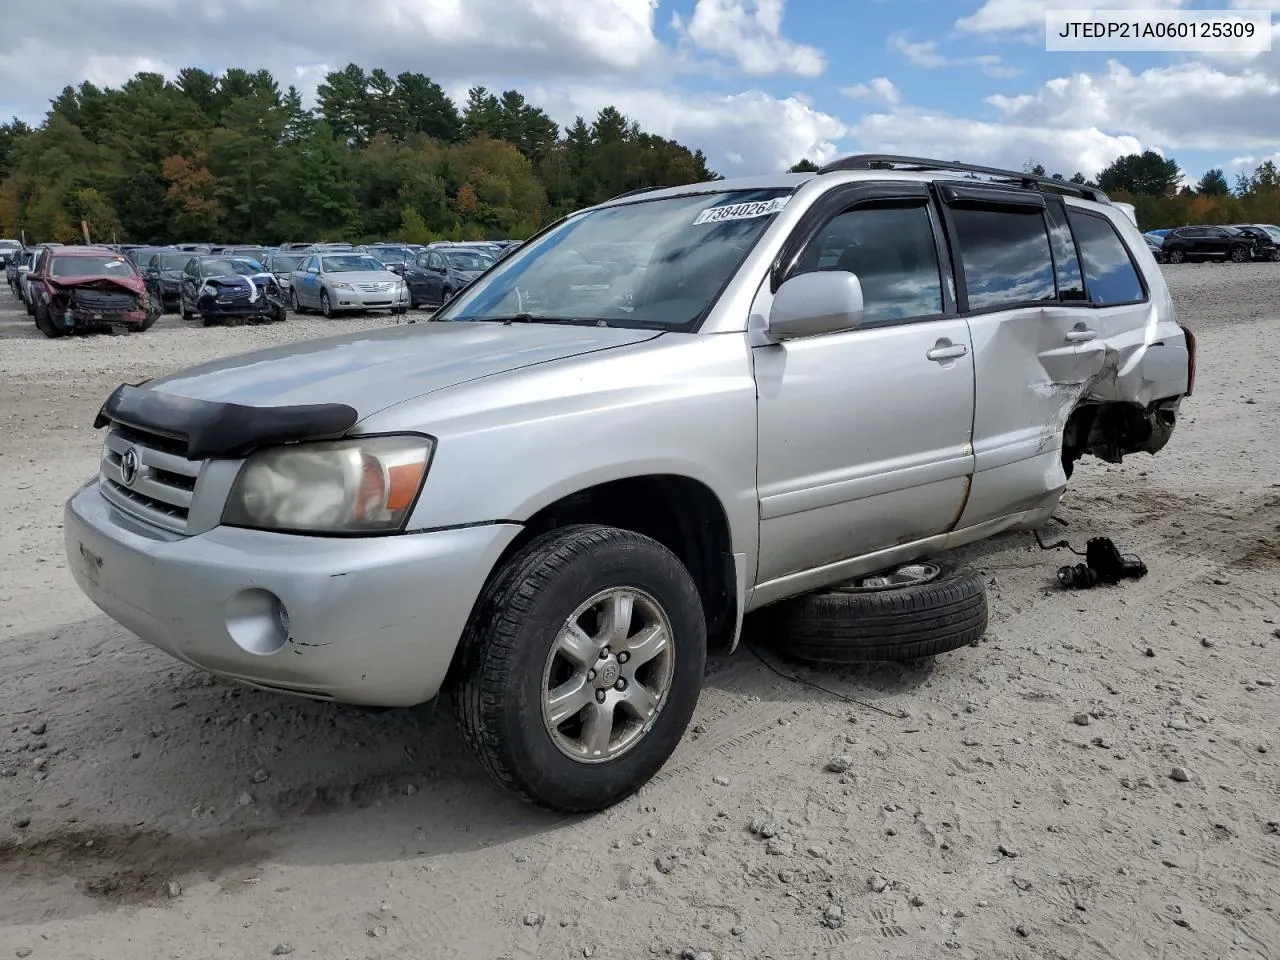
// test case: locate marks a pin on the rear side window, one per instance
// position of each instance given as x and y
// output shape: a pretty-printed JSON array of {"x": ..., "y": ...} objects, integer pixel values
[
  {"x": 1109, "y": 273},
  {"x": 1005, "y": 256},
  {"x": 1066, "y": 263}
]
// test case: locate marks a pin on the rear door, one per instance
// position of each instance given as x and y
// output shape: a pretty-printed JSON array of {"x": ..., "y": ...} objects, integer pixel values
[
  {"x": 1117, "y": 315},
  {"x": 1019, "y": 285}
]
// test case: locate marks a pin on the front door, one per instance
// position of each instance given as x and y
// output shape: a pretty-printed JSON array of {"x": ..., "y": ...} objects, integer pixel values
[{"x": 864, "y": 435}]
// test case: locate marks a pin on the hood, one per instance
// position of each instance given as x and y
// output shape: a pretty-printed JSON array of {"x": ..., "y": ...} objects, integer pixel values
[
  {"x": 132, "y": 284},
  {"x": 236, "y": 280},
  {"x": 375, "y": 369}
]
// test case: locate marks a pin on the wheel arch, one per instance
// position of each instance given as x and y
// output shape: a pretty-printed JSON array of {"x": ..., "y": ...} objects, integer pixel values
[{"x": 682, "y": 513}]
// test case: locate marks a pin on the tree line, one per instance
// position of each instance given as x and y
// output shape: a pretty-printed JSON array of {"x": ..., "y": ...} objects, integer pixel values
[
  {"x": 234, "y": 157},
  {"x": 1153, "y": 184}
]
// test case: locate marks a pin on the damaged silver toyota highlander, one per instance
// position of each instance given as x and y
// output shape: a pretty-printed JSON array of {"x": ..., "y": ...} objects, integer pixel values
[{"x": 659, "y": 414}]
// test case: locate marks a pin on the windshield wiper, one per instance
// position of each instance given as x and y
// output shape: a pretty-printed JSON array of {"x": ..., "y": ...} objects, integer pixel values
[{"x": 511, "y": 318}]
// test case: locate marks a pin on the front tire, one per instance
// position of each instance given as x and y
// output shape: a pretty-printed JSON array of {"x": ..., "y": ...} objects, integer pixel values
[
  {"x": 326, "y": 305},
  {"x": 1176, "y": 256},
  {"x": 581, "y": 667},
  {"x": 44, "y": 322},
  {"x": 1239, "y": 254}
]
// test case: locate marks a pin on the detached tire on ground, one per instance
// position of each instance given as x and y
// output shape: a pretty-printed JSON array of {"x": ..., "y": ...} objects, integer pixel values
[
  {"x": 910, "y": 612},
  {"x": 581, "y": 667}
]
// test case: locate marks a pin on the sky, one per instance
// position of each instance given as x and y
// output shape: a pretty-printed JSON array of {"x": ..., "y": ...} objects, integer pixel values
[{"x": 756, "y": 84}]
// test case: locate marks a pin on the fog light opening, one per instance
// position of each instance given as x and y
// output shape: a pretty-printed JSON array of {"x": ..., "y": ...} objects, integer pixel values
[{"x": 258, "y": 621}]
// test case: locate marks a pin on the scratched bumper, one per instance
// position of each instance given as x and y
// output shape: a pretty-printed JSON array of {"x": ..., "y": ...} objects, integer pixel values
[{"x": 371, "y": 620}]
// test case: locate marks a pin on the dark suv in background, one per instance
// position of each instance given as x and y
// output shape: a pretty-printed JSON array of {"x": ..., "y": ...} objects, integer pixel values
[{"x": 1217, "y": 243}]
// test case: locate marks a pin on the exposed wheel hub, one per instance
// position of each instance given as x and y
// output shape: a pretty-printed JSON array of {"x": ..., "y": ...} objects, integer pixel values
[{"x": 608, "y": 673}]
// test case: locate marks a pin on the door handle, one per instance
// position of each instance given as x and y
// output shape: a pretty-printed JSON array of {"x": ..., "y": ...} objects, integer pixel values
[
  {"x": 1081, "y": 336},
  {"x": 945, "y": 350}
]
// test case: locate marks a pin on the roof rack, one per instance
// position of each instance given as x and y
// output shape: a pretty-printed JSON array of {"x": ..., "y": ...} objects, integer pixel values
[
  {"x": 632, "y": 193},
  {"x": 885, "y": 161}
]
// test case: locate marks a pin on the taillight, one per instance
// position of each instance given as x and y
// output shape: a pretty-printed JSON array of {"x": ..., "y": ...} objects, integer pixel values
[{"x": 1191, "y": 358}]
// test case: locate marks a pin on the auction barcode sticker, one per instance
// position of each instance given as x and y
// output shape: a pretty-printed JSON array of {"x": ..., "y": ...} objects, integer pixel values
[
  {"x": 741, "y": 211},
  {"x": 1191, "y": 31}
]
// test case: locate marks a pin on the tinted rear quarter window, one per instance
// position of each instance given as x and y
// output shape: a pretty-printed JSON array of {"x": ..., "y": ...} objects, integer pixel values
[
  {"x": 1109, "y": 273},
  {"x": 1005, "y": 256}
]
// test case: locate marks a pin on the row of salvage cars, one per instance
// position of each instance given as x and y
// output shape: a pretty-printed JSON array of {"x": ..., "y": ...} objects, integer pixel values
[{"x": 81, "y": 289}]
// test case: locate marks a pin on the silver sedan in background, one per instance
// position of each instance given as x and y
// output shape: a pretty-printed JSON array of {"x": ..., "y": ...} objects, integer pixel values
[{"x": 337, "y": 282}]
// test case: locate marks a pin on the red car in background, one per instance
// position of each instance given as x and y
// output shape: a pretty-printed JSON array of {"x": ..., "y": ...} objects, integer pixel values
[{"x": 78, "y": 289}]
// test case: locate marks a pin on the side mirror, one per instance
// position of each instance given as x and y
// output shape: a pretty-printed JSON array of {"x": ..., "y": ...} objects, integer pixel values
[{"x": 813, "y": 304}]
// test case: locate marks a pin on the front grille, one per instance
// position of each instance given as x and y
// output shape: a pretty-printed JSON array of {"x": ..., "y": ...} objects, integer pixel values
[
  {"x": 374, "y": 287},
  {"x": 105, "y": 301},
  {"x": 163, "y": 485}
]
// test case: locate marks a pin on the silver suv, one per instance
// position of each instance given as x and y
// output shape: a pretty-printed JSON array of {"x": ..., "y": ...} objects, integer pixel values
[{"x": 658, "y": 414}]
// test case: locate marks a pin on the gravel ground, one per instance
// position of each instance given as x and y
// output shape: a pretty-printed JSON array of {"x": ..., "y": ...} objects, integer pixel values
[{"x": 1098, "y": 778}]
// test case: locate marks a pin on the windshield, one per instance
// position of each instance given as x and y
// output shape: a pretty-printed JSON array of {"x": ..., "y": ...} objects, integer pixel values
[
  {"x": 9, "y": 245},
  {"x": 392, "y": 254},
  {"x": 285, "y": 264},
  {"x": 468, "y": 260},
  {"x": 353, "y": 263},
  {"x": 229, "y": 267},
  {"x": 655, "y": 264},
  {"x": 170, "y": 261},
  {"x": 1272, "y": 232},
  {"x": 106, "y": 266}
]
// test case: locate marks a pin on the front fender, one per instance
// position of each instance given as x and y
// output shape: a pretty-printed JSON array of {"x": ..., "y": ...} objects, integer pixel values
[{"x": 512, "y": 444}]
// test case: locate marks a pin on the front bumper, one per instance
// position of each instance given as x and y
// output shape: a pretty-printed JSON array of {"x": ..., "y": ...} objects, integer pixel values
[
  {"x": 370, "y": 299},
  {"x": 264, "y": 306},
  {"x": 370, "y": 620}
]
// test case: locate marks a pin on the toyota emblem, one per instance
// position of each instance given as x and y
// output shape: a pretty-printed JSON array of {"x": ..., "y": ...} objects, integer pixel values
[{"x": 129, "y": 467}]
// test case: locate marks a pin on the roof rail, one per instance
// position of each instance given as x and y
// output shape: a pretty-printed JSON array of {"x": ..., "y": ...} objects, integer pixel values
[
  {"x": 885, "y": 161},
  {"x": 631, "y": 193}
]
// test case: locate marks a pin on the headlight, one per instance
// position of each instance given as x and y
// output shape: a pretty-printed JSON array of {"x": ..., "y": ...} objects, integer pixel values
[
  {"x": 338, "y": 285},
  {"x": 208, "y": 291},
  {"x": 364, "y": 485}
]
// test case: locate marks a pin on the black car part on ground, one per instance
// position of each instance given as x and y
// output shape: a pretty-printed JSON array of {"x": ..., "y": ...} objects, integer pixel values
[
  {"x": 909, "y": 612},
  {"x": 1103, "y": 564}
]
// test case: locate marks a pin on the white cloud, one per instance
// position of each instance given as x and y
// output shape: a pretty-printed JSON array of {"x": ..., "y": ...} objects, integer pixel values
[
  {"x": 444, "y": 38},
  {"x": 1004, "y": 16},
  {"x": 741, "y": 134},
  {"x": 1247, "y": 164},
  {"x": 925, "y": 54},
  {"x": 881, "y": 88},
  {"x": 750, "y": 33},
  {"x": 1184, "y": 106},
  {"x": 1061, "y": 148}
]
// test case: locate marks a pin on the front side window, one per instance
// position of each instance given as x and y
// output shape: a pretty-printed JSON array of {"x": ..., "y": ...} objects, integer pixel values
[
  {"x": 1005, "y": 256},
  {"x": 1108, "y": 269},
  {"x": 691, "y": 247},
  {"x": 892, "y": 252}
]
